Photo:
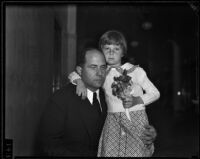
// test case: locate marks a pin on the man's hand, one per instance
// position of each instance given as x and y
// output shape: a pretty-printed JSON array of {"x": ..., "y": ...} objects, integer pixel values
[
  {"x": 81, "y": 89},
  {"x": 130, "y": 101},
  {"x": 149, "y": 135}
]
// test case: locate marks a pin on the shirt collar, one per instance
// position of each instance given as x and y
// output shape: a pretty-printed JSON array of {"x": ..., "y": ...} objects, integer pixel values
[
  {"x": 122, "y": 66},
  {"x": 90, "y": 95}
]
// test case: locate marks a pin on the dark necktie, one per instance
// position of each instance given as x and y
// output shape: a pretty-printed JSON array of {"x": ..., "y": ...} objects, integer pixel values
[{"x": 96, "y": 103}]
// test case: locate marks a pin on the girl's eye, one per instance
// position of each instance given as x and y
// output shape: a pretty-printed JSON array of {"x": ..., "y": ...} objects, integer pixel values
[{"x": 116, "y": 49}]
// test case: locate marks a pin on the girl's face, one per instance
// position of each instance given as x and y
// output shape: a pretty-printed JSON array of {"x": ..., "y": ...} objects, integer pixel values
[{"x": 113, "y": 54}]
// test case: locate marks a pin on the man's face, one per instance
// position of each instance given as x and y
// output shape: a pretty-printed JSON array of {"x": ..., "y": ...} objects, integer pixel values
[{"x": 94, "y": 70}]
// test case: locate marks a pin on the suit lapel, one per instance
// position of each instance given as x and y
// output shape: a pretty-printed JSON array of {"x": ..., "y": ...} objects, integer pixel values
[{"x": 87, "y": 114}]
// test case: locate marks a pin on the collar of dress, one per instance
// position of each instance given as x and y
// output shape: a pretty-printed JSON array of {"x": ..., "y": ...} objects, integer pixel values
[{"x": 121, "y": 68}]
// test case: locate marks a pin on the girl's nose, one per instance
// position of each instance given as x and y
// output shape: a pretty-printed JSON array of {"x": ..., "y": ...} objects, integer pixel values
[{"x": 111, "y": 51}]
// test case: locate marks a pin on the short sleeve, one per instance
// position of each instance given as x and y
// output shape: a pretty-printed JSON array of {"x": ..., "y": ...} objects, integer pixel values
[{"x": 73, "y": 76}]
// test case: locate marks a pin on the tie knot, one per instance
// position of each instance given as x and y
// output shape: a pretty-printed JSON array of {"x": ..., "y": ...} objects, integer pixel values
[{"x": 94, "y": 95}]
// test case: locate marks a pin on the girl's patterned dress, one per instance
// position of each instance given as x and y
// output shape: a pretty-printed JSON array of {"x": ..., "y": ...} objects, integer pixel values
[{"x": 120, "y": 136}]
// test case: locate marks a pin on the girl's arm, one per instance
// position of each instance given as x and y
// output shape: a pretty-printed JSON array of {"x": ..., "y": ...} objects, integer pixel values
[
  {"x": 151, "y": 92},
  {"x": 75, "y": 79}
]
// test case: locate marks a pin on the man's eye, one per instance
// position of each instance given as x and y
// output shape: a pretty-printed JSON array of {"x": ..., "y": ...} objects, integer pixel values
[
  {"x": 92, "y": 66},
  {"x": 103, "y": 67}
]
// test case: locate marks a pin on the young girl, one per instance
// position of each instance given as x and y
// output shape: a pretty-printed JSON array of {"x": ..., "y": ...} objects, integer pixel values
[{"x": 120, "y": 136}]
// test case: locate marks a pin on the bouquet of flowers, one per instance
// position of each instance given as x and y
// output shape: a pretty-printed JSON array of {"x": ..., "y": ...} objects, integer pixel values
[{"x": 122, "y": 87}]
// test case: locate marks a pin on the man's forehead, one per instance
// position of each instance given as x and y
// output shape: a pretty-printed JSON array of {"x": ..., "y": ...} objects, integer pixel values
[
  {"x": 95, "y": 59},
  {"x": 94, "y": 54}
]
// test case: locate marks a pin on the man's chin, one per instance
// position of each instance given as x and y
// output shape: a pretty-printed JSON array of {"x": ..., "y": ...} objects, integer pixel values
[{"x": 98, "y": 84}]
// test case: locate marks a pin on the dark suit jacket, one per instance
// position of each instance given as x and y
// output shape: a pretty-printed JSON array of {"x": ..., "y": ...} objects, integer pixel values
[{"x": 70, "y": 126}]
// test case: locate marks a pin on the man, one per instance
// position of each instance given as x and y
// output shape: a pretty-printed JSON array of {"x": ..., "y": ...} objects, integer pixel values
[{"x": 72, "y": 126}]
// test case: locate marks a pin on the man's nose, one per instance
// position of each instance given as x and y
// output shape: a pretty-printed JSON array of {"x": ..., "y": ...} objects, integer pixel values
[{"x": 100, "y": 72}]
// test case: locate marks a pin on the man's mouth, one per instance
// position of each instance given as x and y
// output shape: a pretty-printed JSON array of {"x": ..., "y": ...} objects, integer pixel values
[{"x": 98, "y": 80}]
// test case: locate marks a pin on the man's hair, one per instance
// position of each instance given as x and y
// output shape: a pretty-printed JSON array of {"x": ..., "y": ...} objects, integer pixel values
[{"x": 82, "y": 55}]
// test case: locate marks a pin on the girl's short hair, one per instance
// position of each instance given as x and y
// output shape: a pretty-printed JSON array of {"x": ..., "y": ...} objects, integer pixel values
[{"x": 113, "y": 37}]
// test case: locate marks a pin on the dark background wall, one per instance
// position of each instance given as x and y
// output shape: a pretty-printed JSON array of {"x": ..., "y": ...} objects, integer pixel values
[
  {"x": 40, "y": 50},
  {"x": 28, "y": 72},
  {"x": 41, "y": 43}
]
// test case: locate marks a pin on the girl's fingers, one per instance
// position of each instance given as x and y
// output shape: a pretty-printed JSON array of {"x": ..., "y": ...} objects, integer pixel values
[
  {"x": 82, "y": 95},
  {"x": 128, "y": 99},
  {"x": 77, "y": 92},
  {"x": 127, "y": 102},
  {"x": 127, "y": 105},
  {"x": 85, "y": 95}
]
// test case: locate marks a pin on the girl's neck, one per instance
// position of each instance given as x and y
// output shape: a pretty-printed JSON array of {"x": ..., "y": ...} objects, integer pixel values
[{"x": 115, "y": 65}]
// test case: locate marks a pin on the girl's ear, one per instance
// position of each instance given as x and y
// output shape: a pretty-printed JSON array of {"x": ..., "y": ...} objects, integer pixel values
[{"x": 79, "y": 70}]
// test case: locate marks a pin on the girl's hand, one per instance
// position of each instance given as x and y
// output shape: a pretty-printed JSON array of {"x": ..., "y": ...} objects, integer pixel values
[
  {"x": 130, "y": 101},
  {"x": 81, "y": 89}
]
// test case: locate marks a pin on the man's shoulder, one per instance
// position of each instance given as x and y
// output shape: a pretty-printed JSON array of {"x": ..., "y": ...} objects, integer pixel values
[
  {"x": 63, "y": 98},
  {"x": 64, "y": 92}
]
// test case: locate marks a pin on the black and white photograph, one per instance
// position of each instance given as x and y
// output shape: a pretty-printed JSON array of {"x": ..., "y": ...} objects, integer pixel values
[{"x": 100, "y": 79}]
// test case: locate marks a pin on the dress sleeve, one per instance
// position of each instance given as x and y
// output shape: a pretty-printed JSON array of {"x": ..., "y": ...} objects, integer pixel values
[
  {"x": 151, "y": 93},
  {"x": 73, "y": 76}
]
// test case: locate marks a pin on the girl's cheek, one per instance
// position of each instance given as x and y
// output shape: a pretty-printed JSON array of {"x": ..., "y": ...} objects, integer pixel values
[{"x": 106, "y": 56}]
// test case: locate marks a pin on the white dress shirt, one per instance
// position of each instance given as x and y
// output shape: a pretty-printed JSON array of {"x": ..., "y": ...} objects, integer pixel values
[{"x": 90, "y": 96}]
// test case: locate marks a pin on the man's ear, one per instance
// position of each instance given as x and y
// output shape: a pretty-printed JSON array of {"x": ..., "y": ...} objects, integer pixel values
[{"x": 79, "y": 70}]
